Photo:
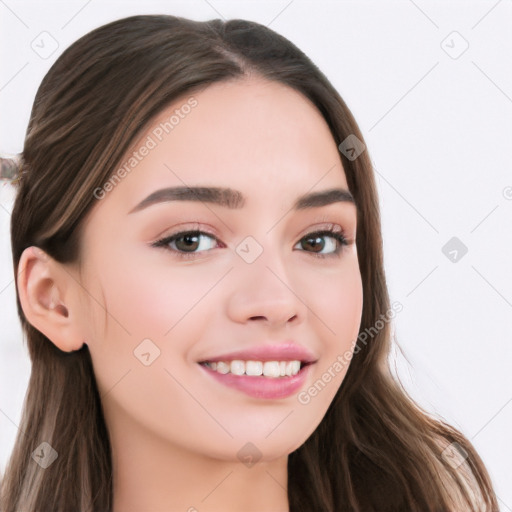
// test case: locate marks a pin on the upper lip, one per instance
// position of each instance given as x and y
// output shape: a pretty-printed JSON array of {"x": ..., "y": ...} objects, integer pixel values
[{"x": 287, "y": 351}]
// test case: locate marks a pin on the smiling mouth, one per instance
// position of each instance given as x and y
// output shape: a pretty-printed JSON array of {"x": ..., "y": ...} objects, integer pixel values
[{"x": 272, "y": 369}]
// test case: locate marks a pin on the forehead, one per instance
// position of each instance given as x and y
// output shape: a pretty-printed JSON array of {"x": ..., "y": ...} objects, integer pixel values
[{"x": 254, "y": 135}]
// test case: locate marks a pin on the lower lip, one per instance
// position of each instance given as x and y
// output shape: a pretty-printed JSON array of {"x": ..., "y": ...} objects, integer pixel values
[{"x": 262, "y": 387}]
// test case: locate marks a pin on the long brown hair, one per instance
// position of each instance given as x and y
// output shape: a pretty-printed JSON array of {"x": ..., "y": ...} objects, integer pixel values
[{"x": 375, "y": 449}]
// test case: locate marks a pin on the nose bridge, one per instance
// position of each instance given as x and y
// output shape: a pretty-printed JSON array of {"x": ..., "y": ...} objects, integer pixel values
[
  {"x": 263, "y": 257},
  {"x": 263, "y": 287},
  {"x": 263, "y": 242}
]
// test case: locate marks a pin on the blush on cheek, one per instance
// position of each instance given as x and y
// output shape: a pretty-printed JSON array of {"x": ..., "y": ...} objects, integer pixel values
[
  {"x": 342, "y": 309},
  {"x": 141, "y": 301}
]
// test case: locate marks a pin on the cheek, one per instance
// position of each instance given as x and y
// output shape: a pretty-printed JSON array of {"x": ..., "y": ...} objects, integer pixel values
[
  {"x": 157, "y": 303},
  {"x": 336, "y": 301},
  {"x": 151, "y": 309},
  {"x": 336, "y": 311},
  {"x": 148, "y": 298}
]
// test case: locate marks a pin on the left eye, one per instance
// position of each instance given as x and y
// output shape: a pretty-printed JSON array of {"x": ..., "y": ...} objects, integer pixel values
[
  {"x": 314, "y": 240},
  {"x": 187, "y": 243},
  {"x": 190, "y": 239}
]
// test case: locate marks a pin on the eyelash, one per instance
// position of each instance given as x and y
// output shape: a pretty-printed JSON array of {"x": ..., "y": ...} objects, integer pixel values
[{"x": 331, "y": 232}]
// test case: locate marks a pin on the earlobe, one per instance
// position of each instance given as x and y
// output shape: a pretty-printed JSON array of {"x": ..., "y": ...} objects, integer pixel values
[{"x": 45, "y": 291}]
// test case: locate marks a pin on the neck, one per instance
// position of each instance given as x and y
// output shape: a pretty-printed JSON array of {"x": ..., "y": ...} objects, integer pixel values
[{"x": 152, "y": 474}]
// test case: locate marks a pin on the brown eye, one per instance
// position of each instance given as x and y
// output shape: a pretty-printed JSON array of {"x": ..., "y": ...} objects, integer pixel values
[
  {"x": 316, "y": 242},
  {"x": 186, "y": 242},
  {"x": 189, "y": 241}
]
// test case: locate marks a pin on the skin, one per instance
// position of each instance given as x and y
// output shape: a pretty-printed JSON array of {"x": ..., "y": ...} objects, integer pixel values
[{"x": 175, "y": 431}]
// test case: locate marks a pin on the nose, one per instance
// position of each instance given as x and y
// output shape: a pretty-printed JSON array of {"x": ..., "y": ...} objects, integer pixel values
[{"x": 265, "y": 291}]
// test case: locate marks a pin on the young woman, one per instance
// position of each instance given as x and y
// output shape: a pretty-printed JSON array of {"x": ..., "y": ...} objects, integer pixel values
[{"x": 197, "y": 248}]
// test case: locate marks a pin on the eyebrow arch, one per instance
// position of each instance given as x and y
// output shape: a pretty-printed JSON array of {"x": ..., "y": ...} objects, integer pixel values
[{"x": 234, "y": 199}]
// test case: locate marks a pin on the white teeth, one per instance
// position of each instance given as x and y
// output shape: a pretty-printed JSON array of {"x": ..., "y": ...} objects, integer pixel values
[
  {"x": 292, "y": 367},
  {"x": 237, "y": 367},
  {"x": 254, "y": 368},
  {"x": 222, "y": 367},
  {"x": 272, "y": 369}
]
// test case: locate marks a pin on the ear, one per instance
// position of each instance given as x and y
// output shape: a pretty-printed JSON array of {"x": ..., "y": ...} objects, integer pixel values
[{"x": 46, "y": 291}]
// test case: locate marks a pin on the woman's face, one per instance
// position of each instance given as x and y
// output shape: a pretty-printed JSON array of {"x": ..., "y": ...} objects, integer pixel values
[{"x": 253, "y": 279}]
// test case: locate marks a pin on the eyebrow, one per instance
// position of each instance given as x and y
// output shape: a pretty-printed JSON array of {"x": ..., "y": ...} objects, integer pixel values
[{"x": 234, "y": 199}]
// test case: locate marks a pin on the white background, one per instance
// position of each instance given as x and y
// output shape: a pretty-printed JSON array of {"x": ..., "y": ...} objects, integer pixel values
[{"x": 438, "y": 126}]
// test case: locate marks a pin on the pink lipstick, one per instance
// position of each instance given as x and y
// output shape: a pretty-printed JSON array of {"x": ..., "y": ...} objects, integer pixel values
[{"x": 264, "y": 371}]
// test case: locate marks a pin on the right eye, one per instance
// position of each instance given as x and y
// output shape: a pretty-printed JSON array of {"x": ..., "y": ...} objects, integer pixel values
[{"x": 185, "y": 242}]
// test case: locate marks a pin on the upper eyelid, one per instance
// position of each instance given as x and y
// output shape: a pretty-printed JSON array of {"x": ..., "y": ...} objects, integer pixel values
[
  {"x": 346, "y": 218},
  {"x": 335, "y": 227}
]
